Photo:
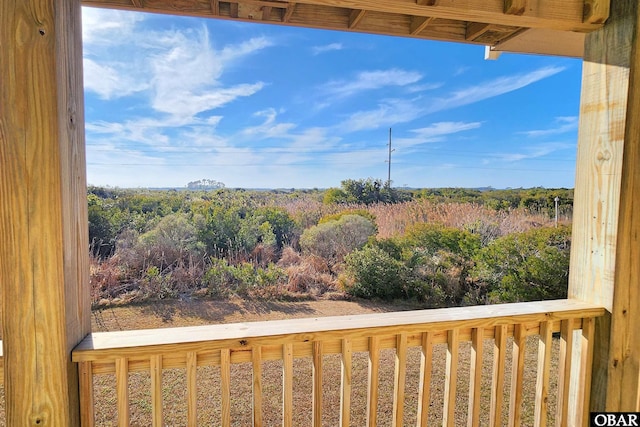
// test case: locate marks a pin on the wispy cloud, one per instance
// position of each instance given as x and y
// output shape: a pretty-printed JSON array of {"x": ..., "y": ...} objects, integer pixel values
[
  {"x": 436, "y": 132},
  {"x": 388, "y": 113},
  {"x": 563, "y": 124},
  {"x": 491, "y": 89},
  {"x": 371, "y": 80},
  {"x": 532, "y": 152},
  {"x": 317, "y": 50}
]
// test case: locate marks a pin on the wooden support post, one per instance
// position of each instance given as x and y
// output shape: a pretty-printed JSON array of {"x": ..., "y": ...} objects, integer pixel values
[
  {"x": 605, "y": 258},
  {"x": 43, "y": 210}
]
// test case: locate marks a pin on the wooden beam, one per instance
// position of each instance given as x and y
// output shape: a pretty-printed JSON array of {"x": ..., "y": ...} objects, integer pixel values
[
  {"x": 419, "y": 23},
  {"x": 215, "y": 7},
  {"x": 476, "y": 29},
  {"x": 234, "y": 10},
  {"x": 606, "y": 224},
  {"x": 43, "y": 210},
  {"x": 287, "y": 15},
  {"x": 137, "y": 4},
  {"x": 596, "y": 11},
  {"x": 567, "y": 15},
  {"x": 355, "y": 17},
  {"x": 515, "y": 7},
  {"x": 266, "y": 13}
]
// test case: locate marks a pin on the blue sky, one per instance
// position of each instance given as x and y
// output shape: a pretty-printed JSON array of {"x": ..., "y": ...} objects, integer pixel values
[{"x": 171, "y": 100}]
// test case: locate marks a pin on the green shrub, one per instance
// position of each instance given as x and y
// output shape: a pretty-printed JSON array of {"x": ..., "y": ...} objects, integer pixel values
[
  {"x": 528, "y": 266},
  {"x": 333, "y": 240},
  {"x": 376, "y": 274}
]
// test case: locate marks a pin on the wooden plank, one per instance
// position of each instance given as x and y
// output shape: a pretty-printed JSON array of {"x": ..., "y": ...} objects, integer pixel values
[
  {"x": 256, "y": 363},
  {"x": 427, "y": 2},
  {"x": 373, "y": 381},
  {"x": 355, "y": 17},
  {"x": 566, "y": 15},
  {"x": 517, "y": 376},
  {"x": 419, "y": 23},
  {"x": 399, "y": 381},
  {"x": 266, "y": 13},
  {"x": 543, "y": 371},
  {"x": 234, "y": 10},
  {"x": 451, "y": 378},
  {"x": 87, "y": 418},
  {"x": 564, "y": 373},
  {"x": 192, "y": 389},
  {"x": 287, "y": 385},
  {"x": 605, "y": 248},
  {"x": 122, "y": 391},
  {"x": 317, "y": 384},
  {"x": 345, "y": 389},
  {"x": 497, "y": 375},
  {"x": 475, "y": 377},
  {"x": 215, "y": 7},
  {"x": 225, "y": 386},
  {"x": 515, "y": 7},
  {"x": 137, "y": 4},
  {"x": 44, "y": 266},
  {"x": 289, "y": 12},
  {"x": 424, "y": 389},
  {"x": 476, "y": 29},
  {"x": 583, "y": 405},
  {"x": 141, "y": 343},
  {"x": 156, "y": 391}
]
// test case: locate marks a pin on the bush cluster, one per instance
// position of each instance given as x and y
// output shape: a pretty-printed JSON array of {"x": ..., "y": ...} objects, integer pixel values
[{"x": 165, "y": 244}]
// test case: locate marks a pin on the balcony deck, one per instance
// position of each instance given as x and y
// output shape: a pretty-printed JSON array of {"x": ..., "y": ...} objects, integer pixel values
[{"x": 188, "y": 348}]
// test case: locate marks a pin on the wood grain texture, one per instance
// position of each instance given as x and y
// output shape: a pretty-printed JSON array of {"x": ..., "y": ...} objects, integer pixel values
[
  {"x": 192, "y": 389},
  {"x": 317, "y": 384},
  {"x": 424, "y": 389},
  {"x": 373, "y": 381},
  {"x": 156, "y": 391},
  {"x": 475, "y": 377},
  {"x": 517, "y": 376},
  {"x": 256, "y": 375},
  {"x": 345, "y": 384},
  {"x": 87, "y": 417},
  {"x": 542, "y": 381},
  {"x": 497, "y": 375},
  {"x": 287, "y": 385},
  {"x": 43, "y": 221},
  {"x": 225, "y": 387},
  {"x": 606, "y": 230},
  {"x": 451, "y": 378},
  {"x": 122, "y": 391},
  {"x": 400, "y": 372},
  {"x": 564, "y": 373}
]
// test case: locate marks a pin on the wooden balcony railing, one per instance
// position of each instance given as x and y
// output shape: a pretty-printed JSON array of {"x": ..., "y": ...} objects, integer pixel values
[{"x": 221, "y": 346}]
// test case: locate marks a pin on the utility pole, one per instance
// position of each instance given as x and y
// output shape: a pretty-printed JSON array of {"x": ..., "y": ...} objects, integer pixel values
[{"x": 389, "y": 161}]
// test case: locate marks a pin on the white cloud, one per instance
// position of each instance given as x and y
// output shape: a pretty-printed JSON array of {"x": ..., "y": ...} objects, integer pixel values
[
  {"x": 370, "y": 80},
  {"x": 388, "y": 113},
  {"x": 533, "y": 152},
  {"x": 108, "y": 82},
  {"x": 107, "y": 26},
  {"x": 491, "y": 89},
  {"x": 326, "y": 48},
  {"x": 563, "y": 124}
]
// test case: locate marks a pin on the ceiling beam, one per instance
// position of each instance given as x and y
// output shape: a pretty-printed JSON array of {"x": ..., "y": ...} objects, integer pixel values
[
  {"x": 355, "y": 17},
  {"x": 476, "y": 29},
  {"x": 515, "y": 7},
  {"x": 137, "y": 4},
  {"x": 266, "y": 13},
  {"x": 419, "y": 23},
  {"x": 215, "y": 7},
  {"x": 289, "y": 11},
  {"x": 566, "y": 15}
]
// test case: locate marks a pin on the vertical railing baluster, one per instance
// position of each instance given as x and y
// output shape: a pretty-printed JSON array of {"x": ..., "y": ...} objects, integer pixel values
[
  {"x": 564, "y": 374},
  {"x": 155, "y": 369},
  {"x": 345, "y": 391},
  {"x": 542, "y": 381},
  {"x": 287, "y": 385},
  {"x": 256, "y": 362},
  {"x": 87, "y": 418},
  {"x": 475, "y": 376},
  {"x": 451, "y": 378},
  {"x": 317, "y": 384},
  {"x": 373, "y": 381},
  {"x": 424, "y": 389},
  {"x": 192, "y": 391},
  {"x": 517, "y": 375},
  {"x": 399, "y": 379},
  {"x": 225, "y": 386},
  {"x": 497, "y": 376},
  {"x": 122, "y": 391},
  {"x": 586, "y": 365}
]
